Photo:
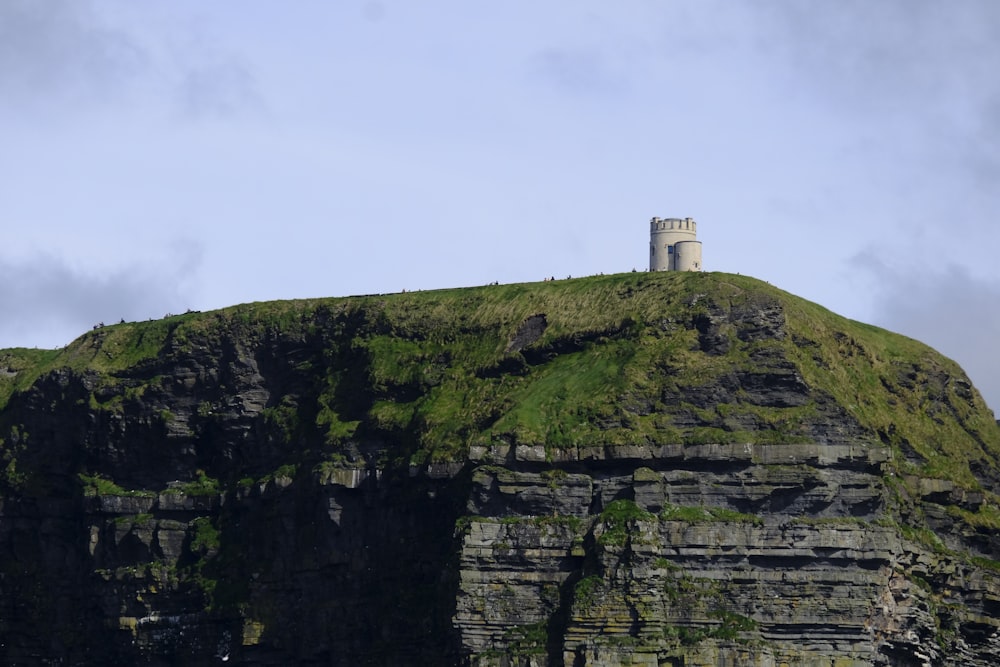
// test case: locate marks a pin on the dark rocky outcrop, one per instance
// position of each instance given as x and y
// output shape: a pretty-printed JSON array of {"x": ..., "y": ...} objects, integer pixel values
[{"x": 646, "y": 469}]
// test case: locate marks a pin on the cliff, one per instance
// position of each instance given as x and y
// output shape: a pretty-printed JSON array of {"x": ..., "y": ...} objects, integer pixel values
[{"x": 641, "y": 469}]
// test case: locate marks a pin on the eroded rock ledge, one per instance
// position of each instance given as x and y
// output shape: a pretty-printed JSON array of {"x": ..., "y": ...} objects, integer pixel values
[{"x": 773, "y": 564}]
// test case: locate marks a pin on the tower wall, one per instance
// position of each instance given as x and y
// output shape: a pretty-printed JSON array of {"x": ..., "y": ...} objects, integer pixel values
[
  {"x": 687, "y": 256},
  {"x": 665, "y": 234}
]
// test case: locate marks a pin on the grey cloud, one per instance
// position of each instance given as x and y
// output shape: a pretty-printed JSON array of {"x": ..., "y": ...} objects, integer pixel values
[
  {"x": 222, "y": 89},
  {"x": 913, "y": 44},
  {"x": 51, "y": 302},
  {"x": 58, "y": 54},
  {"x": 584, "y": 71},
  {"x": 950, "y": 310},
  {"x": 928, "y": 64},
  {"x": 55, "y": 48}
]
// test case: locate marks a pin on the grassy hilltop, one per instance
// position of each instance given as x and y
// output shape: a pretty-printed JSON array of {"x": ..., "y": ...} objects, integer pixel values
[
  {"x": 622, "y": 359},
  {"x": 642, "y": 468}
]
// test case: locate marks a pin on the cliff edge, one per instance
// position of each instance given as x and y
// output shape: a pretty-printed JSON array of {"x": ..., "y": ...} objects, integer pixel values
[{"x": 638, "y": 469}]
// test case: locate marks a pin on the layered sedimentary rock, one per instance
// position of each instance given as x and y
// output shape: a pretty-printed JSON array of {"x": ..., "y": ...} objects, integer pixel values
[
  {"x": 628, "y": 470},
  {"x": 673, "y": 571}
]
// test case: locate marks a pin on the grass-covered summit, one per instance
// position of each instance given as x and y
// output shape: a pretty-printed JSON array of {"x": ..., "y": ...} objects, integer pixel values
[
  {"x": 645, "y": 468},
  {"x": 637, "y": 358}
]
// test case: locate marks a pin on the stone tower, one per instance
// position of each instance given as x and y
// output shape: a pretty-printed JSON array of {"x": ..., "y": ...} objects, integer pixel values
[{"x": 673, "y": 246}]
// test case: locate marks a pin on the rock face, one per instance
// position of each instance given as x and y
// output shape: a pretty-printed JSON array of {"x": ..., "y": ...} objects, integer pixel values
[{"x": 644, "y": 469}]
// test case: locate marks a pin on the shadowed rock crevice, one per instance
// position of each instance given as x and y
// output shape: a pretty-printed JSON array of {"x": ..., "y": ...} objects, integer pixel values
[{"x": 529, "y": 332}]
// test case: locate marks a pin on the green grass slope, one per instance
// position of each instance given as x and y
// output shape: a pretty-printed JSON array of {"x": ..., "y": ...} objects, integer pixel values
[{"x": 637, "y": 358}]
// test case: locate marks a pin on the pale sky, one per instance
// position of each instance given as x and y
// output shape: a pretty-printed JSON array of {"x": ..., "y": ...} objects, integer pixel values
[{"x": 169, "y": 155}]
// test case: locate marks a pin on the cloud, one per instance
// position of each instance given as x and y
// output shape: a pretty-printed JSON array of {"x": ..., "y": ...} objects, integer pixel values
[
  {"x": 579, "y": 71},
  {"x": 920, "y": 68},
  {"x": 908, "y": 44},
  {"x": 61, "y": 48},
  {"x": 911, "y": 87},
  {"x": 57, "y": 55},
  {"x": 47, "y": 303},
  {"x": 950, "y": 310},
  {"x": 220, "y": 89}
]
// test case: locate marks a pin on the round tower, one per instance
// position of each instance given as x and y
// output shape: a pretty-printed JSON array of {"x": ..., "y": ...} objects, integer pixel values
[{"x": 673, "y": 245}]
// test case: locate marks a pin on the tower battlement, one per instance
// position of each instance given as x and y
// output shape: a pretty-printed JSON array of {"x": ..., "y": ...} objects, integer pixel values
[
  {"x": 668, "y": 224},
  {"x": 673, "y": 245}
]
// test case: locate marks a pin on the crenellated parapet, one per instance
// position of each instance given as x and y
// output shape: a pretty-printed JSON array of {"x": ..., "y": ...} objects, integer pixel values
[{"x": 673, "y": 224}]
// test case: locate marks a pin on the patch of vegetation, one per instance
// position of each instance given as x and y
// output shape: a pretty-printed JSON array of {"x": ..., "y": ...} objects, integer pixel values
[
  {"x": 924, "y": 536},
  {"x": 19, "y": 367},
  {"x": 287, "y": 471},
  {"x": 204, "y": 537},
  {"x": 105, "y": 349},
  {"x": 928, "y": 538},
  {"x": 706, "y": 435},
  {"x": 214, "y": 565},
  {"x": 526, "y": 640},
  {"x": 908, "y": 395},
  {"x": 986, "y": 516},
  {"x": 554, "y": 477},
  {"x": 617, "y": 518},
  {"x": 731, "y": 628},
  {"x": 96, "y": 485},
  {"x": 583, "y": 380},
  {"x": 462, "y": 523},
  {"x": 392, "y": 416},
  {"x": 574, "y": 523},
  {"x": 335, "y": 428},
  {"x": 683, "y": 589},
  {"x": 586, "y": 590},
  {"x": 731, "y": 625},
  {"x": 281, "y": 419},
  {"x": 202, "y": 485},
  {"x": 666, "y": 564},
  {"x": 830, "y": 521},
  {"x": 10, "y": 476},
  {"x": 985, "y": 563}
]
